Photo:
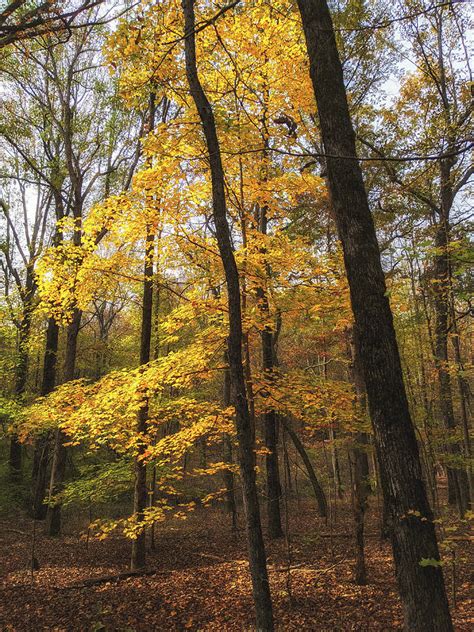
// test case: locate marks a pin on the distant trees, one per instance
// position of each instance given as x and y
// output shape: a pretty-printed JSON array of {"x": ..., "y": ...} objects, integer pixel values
[
  {"x": 437, "y": 42},
  {"x": 73, "y": 155}
]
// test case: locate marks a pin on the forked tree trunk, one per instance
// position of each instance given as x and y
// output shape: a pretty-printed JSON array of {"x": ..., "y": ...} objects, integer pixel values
[
  {"x": 421, "y": 588},
  {"x": 256, "y": 547}
]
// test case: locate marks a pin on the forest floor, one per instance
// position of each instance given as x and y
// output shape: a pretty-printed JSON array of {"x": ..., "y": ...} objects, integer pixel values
[{"x": 202, "y": 581}]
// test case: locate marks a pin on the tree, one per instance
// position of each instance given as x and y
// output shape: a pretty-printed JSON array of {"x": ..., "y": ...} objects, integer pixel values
[
  {"x": 82, "y": 159},
  {"x": 413, "y": 535},
  {"x": 21, "y": 19},
  {"x": 437, "y": 41},
  {"x": 261, "y": 589}
]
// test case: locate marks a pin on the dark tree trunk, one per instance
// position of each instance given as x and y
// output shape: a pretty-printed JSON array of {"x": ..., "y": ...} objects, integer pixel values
[
  {"x": 318, "y": 490},
  {"x": 140, "y": 496},
  {"x": 140, "y": 493},
  {"x": 270, "y": 422},
  {"x": 229, "y": 478},
  {"x": 464, "y": 395},
  {"x": 458, "y": 485},
  {"x": 421, "y": 588},
  {"x": 58, "y": 467},
  {"x": 273, "y": 475},
  {"x": 42, "y": 447},
  {"x": 258, "y": 566}
]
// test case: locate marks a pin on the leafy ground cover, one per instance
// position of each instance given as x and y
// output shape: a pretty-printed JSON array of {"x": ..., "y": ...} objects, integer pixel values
[{"x": 201, "y": 582}]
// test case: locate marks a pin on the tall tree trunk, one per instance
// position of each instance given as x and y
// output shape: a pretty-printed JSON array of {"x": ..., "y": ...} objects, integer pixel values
[
  {"x": 258, "y": 566},
  {"x": 42, "y": 447},
  {"x": 140, "y": 493},
  {"x": 270, "y": 422},
  {"x": 58, "y": 467},
  {"x": 458, "y": 486},
  {"x": 140, "y": 496},
  {"x": 421, "y": 588}
]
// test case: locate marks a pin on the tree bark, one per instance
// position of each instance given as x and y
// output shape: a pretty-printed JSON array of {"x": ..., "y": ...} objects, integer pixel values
[
  {"x": 458, "y": 485},
  {"x": 138, "y": 559},
  {"x": 58, "y": 467},
  {"x": 422, "y": 589},
  {"x": 42, "y": 447},
  {"x": 464, "y": 396},
  {"x": 270, "y": 421},
  {"x": 258, "y": 566},
  {"x": 229, "y": 478},
  {"x": 361, "y": 471},
  {"x": 140, "y": 492}
]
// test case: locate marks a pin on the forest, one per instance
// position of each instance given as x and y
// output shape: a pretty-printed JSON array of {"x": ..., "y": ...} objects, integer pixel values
[{"x": 236, "y": 300}]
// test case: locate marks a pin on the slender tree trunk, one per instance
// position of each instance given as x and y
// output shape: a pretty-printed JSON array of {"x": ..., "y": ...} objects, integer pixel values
[
  {"x": 229, "y": 478},
  {"x": 422, "y": 385},
  {"x": 270, "y": 422},
  {"x": 245, "y": 334},
  {"x": 42, "y": 447},
  {"x": 138, "y": 559},
  {"x": 336, "y": 470},
  {"x": 464, "y": 397},
  {"x": 258, "y": 567},
  {"x": 458, "y": 486},
  {"x": 140, "y": 493},
  {"x": 270, "y": 419},
  {"x": 421, "y": 588},
  {"x": 58, "y": 467},
  {"x": 318, "y": 490},
  {"x": 361, "y": 494}
]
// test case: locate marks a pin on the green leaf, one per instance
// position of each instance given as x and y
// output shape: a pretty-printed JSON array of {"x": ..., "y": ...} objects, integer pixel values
[{"x": 430, "y": 561}]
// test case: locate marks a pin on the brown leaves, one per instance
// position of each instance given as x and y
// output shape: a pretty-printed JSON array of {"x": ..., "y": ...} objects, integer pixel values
[{"x": 203, "y": 582}]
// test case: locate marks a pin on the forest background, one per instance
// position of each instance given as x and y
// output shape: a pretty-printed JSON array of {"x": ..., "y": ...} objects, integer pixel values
[{"x": 177, "y": 338}]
